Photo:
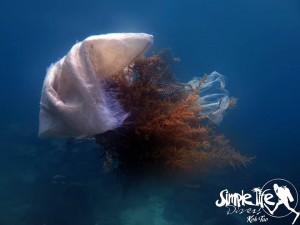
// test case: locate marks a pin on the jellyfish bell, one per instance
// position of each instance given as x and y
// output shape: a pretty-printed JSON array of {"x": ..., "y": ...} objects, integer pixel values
[{"x": 75, "y": 100}]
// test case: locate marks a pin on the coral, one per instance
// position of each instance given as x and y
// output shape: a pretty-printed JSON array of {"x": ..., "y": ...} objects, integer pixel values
[{"x": 163, "y": 131}]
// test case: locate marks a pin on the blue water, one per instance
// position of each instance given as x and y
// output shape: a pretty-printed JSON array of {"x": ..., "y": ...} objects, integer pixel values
[{"x": 255, "y": 44}]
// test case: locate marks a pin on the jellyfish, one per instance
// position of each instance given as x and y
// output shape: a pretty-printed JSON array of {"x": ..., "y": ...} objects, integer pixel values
[{"x": 135, "y": 108}]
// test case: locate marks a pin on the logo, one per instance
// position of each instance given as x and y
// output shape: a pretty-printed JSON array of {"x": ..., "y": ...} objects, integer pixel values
[{"x": 277, "y": 198}]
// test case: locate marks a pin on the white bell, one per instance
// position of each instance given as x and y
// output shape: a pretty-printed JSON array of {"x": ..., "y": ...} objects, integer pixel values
[{"x": 75, "y": 100}]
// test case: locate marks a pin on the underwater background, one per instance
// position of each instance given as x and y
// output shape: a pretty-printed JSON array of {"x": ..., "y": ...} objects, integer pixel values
[{"x": 254, "y": 44}]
